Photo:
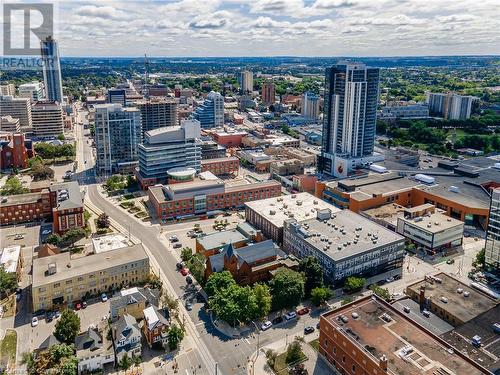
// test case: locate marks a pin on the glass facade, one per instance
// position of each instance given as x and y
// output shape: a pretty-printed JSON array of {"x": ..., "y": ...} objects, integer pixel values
[{"x": 492, "y": 249}]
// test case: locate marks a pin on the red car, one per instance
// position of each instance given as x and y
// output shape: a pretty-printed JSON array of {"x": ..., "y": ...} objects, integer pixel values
[
  {"x": 78, "y": 306},
  {"x": 303, "y": 311},
  {"x": 184, "y": 271}
]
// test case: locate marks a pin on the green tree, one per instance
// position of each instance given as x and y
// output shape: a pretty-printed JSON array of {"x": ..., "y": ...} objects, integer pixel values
[
  {"x": 28, "y": 359},
  {"x": 263, "y": 300},
  {"x": 354, "y": 284},
  {"x": 234, "y": 304},
  {"x": 196, "y": 265},
  {"x": 8, "y": 282},
  {"x": 480, "y": 259},
  {"x": 61, "y": 137},
  {"x": 170, "y": 302},
  {"x": 287, "y": 288},
  {"x": 125, "y": 363},
  {"x": 218, "y": 281},
  {"x": 54, "y": 239},
  {"x": 73, "y": 235},
  {"x": 293, "y": 352},
  {"x": 320, "y": 295},
  {"x": 313, "y": 274},
  {"x": 13, "y": 186},
  {"x": 381, "y": 292},
  {"x": 186, "y": 254},
  {"x": 174, "y": 337},
  {"x": 68, "y": 326},
  {"x": 103, "y": 221}
]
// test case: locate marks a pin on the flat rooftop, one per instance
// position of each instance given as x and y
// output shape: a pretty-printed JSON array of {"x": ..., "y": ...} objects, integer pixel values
[
  {"x": 218, "y": 160},
  {"x": 12, "y": 200},
  {"x": 69, "y": 268},
  {"x": 220, "y": 239},
  {"x": 346, "y": 234},
  {"x": 433, "y": 222},
  {"x": 388, "y": 213},
  {"x": 9, "y": 258},
  {"x": 74, "y": 200},
  {"x": 465, "y": 308},
  {"x": 370, "y": 333},
  {"x": 301, "y": 206},
  {"x": 109, "y": 242}
]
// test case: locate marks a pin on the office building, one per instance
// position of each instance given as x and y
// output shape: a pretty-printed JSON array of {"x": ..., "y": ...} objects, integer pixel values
[
  {"x": 350, "y": 115},
  {"x": 370, "y": 336},
  {"x": 18, "y": 108},
  {"x": 449, "y": 106},
  {"x": 157, "y": 113},
  {"x": 268, "y": 93},
  {"x": 345, "y": 244},
  {"x": 117, "y": 137},
  {"x": 167, "y": 148},
  {"x": 51, "y": 70},
  {"x": 33, "y": 91},
  {"x": 8, "y": 90},
  {"x": 211, "y": 150},
  {"x": 269, "y": 215},
  {"x": 211, "y": 113},
  {"x": 117, "y": 96},
  {"x": 206, "y": 197},
  {"x": 407, "y": 111},
  {"x": 47, "y": 119},
  {"x": 492, "y": 248},
  {"x": 10, "y": 124},
  {"x": 310, "y": 106},
  {"x": 246, "y": 81},
  {"x": 59, "y": 280},
  {"x": 286, "y": 168}
]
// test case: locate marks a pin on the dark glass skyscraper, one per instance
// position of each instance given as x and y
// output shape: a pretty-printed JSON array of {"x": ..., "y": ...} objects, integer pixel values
[
  {"x": 51, "y": 70},
  {"x": 350, "y": 114}
]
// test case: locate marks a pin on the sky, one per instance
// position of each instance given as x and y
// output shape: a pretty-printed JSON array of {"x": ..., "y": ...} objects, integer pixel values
[{"x": 278, "y": 27}]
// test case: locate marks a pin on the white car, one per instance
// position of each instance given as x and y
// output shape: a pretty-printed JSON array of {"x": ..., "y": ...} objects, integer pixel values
[
  {"x": 46, "y": 231},
  {"x": 290, "y": 315},
  {"x": 266, "y": 325},
  {"x": 104, "y": 297},
  {"x": 34, "y": 321}
]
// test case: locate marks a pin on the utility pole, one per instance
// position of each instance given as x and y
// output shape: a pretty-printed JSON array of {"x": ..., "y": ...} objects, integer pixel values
[{"x": 216, "y": 367}]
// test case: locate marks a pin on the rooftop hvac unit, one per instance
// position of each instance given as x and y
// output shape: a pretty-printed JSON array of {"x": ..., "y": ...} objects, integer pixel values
[
  {"x": 454, "y": 189},
  {"x": 424, "y": 178},
  {"x": 272, "y": 212}
]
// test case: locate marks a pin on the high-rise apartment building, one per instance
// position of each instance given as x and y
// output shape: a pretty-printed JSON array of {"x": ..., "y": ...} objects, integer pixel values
[
  {"x": 157, "y": 113},
  {"x": 449, "y": 106},
  {"x": 492, "y": 248},
  {"x": 211, "y": 113},
  {"x": 18, "y": 108},
  {"x": 268, "y": 93},
  {"x": 246, "y": 81},
  {"x": 350, "y": 115},
  {"x": 33, "y": 91},
  {"x": 117, "y": 96},
  {"x": 9, "y": 124},
  {"x": 51, "y": 69},
  {"x": 310, "y": 105},
  {"x": 47, "y": 119},
  {"x": 8, "y": 89},
  {"x": 118, "y": 133},
  {"x": 166, "y": 148}
]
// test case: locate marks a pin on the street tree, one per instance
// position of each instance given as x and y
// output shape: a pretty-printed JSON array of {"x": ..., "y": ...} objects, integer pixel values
[
  {"x": 68, "y": 326},
  {"x": 354, "y": 284},
  {"x": 174, "y": 337},
  {"x": 320, "y": 295},
  {"x": 293, "y": 352},
  {"x": 196, "y": 265},
  {"x": 186, "y": 254},
  {"x": 103, "y": 221},
  {"x": 263, "y": 299},
  {"x": 287, "y": 288},
  {"x": 218, "y": 281},
  {"x": 313, "y": 273},
  {"x": 8, "y": 282}
]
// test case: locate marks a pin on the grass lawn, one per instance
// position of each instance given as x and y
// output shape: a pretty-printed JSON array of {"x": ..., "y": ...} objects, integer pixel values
[
  {"x": 129, "y": 196},
  {"x": 315, "y": 344},
  {"x": 8, "y": 348},
  {"x": 127, "y": 204},
  {"x": 9, "y": 306},
  {"x": 281, "y": 364}
]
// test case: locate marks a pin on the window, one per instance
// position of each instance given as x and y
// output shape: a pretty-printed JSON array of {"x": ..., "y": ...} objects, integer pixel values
[{"x": 354, "y": 369}]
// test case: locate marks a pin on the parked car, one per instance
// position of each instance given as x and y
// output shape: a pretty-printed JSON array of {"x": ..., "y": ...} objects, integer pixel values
[
  {"x": 450, "y": 261},
  {"x": 84, "y": 305},
  {"x": 50, "y": 316},
  {"x": 303, "y": 311},
  {"x": 389, "y": 280},
  {"x": 266, "y": 325},
  {"x": 406, "y": 309},
  {"x": 104, "y": 297},
  {"x": 277, "y": 320},
  {"x": 290, "y": 315},
  {"x": 177, "y": 245},
  {"x": 78, "y": 306},
  {"x": 189, "y": 279},
  {"x": 184, "y": 271},
  {"x": 19, "y": 236},
  {"x": 426, "y": 313},
  {"x": 179, "y": 265},
  {"x": 173, "y": 238},
  {"x": 34, "y": 321},
  {"x": 308, "y": 330},
  {"x": 317, "y": 325},
  {"x": 46, "y": 231},
  {"x": 189, "y": 306}
]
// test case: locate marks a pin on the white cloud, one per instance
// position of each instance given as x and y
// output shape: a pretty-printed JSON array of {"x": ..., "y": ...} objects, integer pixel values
[{"x": 101, "y": 12}]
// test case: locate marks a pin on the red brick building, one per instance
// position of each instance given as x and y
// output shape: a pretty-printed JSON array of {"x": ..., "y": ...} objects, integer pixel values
[
  {"x": 203, "y": 197},
  {"x": 63, "y": 203},
  {"x": 221, "y": 166},
  {"x": 228, "y": 139},
  {"x": 13, "y": 151},
  {"x": 155, "y": 326}
]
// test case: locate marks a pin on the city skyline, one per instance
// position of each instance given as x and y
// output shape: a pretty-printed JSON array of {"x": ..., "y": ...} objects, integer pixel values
[{"x": 277, "y": 28}]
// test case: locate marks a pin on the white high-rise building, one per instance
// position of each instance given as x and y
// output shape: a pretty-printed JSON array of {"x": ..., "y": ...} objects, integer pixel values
[
  {"x": 310, "y": 105},
  {"x": 33, "y": 91},
  {"x": 246, "y": 81},
  {"x": 47, "y": 119},
  {"x": 51, "y": 70},
  {"x": 449, "y": 106},
  {"x": 118, "y": 133},
  {"x": 492, "y": 248},
  {"x": 8, "y": 89},
  {"x": 18, "y": 108}
]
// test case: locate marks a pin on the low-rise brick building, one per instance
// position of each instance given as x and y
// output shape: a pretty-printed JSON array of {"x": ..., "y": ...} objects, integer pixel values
[{"x": 221, "y": 166}]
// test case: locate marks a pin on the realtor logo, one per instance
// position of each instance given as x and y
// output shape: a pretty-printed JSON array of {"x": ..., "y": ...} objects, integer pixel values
[{"x": 37, "y": 23}]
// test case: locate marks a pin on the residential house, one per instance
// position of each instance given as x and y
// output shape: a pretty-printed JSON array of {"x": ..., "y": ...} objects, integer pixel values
[
  {"x": 132, "y": 301},
  {"x": 93, "y": 351},
  {"x": 126, "y": 337},
  {"x": 155, "y": 327}
]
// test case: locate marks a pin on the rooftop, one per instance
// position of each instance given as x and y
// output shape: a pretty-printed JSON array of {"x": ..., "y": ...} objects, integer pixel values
[
  {"x": 464, "y": 308},
  {"x": 9, "y": 258},
  {"x": 378, "y": 329},
  {"x": 109, "y": 242},
  {"x": 433, "y": 222},
  {"x": 67, "y": 268},
  {"x": 221, "y": 239},
  {"x": 74, "y": 196},
  {"x": 346, "y": 234},
  {"x": 388, "y": 213},
  {"x": 301, "y": 206},
  {"x": 20, "y": 199}
]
